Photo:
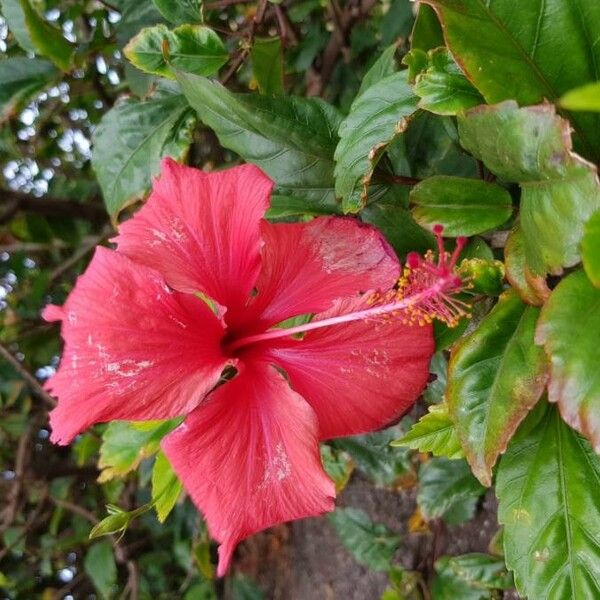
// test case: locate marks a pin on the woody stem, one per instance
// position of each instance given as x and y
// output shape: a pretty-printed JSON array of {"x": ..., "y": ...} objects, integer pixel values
[{"x": 375, "y": 311}]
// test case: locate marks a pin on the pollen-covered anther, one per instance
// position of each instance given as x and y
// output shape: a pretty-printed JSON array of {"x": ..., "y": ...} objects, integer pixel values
[{"x": 432, "y": 285}]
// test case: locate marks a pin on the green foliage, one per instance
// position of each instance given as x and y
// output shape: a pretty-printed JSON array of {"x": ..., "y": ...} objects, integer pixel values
[
  {"x": 469, "y": 577},
  {"x": 47, "y": 40},
  {"x": 568, "y": 329},
  {"x": 292, "y": 139},
  {"x": 447, "y": 490},
  {"x": 371, "y": 544},
  {"x": 590, "y": 248},
  {"x": 462, "y": 206},
  {"x": 496, "y": 375},
  {"x": 434, "y": 432},
  {"x": 550, "y": 508},
  {"x": 518, "y": 58},
  {"x": 180, "y": 11},
  {"x": 189, "y": 48},
  {"x": 166, "y": 487},
  {"x": 100, "y": 566},
  {"x": 371, "y": 125},
  {"x": 130, "y": 141},
  {"x": 560, "y": 191},
  {"x": 586, "y": 97},
  {"x": 22, "y": 78},
  {"x": 267, "y": 66}
]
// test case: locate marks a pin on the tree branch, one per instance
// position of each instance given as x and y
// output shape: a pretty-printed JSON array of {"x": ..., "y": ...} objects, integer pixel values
[
  {"x": 15, "y": 202},
  {"x": 33, "y": 384}
]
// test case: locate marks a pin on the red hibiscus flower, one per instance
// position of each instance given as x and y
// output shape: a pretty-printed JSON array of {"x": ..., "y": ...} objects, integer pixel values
[{"x": 197, "y": 283}]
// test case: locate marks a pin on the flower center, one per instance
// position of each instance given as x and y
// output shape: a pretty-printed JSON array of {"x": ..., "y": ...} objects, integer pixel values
[{"x": 424, "y": 292}]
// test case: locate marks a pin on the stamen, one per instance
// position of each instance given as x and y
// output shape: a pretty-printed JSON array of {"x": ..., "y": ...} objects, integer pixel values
[{"x": 424, "y": 292}]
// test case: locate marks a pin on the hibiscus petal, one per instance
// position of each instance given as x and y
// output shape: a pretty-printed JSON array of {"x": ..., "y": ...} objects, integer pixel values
[
  {"x": 249, "y": 458},
  {"x": 306, "y": 266},
  {"x": 202, "y": 230},
  {"x": 358, "y": 376},
  {"x": 133, "y": 349}
]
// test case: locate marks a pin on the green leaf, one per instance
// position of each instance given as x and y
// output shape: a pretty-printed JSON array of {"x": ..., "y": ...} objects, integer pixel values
[
  {"x": 531, "y": 288},
  {"x": 22, "y": 78},
  {"x": 585, "y": 97},
  {"x": 435, "y": 391},
  {"x": 46, "y": 39},
  {"x": 374, "y": 456},
  {"x": 462, "y": 206},
  {"x": 427, "y": 32},
  {"x": 125, "y": 445},
  {"x": 569, "y": 330},
  {"x": 435, "y": 433},
  {"x": 166, "y": 487},
  {"x": 443, "y": 88},
  {"x": 376, "y": 117},
  {"x": 590, "y": 248},
  {"x": 384, "y": 66},
  {"x": 495, "y": 377},
  {"x": 519, "y": 56},
  {"x": 338, "y": 465},
  {"x": 204, "y": 590},
  {"x": 180, "y": 12},
  {"x": 447, "y": 490},
  {"x": 131, "y": 139},
  {"x": 99, "y": 564},
  {"x": 560, "y": 191},
  {"x": 15, "y": 19},
  {"x": 371, "y": 544},
  {"x": 267, "y": 65},
  {"x": 399, "y": 228},
  {"x": 469, "y": 577},
  {"x": 190, "y": 48},
  {"x": 547, "y": 487},
  {"x": 292, "y": 139}
]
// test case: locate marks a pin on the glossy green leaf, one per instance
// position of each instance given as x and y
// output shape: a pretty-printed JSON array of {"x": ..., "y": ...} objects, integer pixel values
[
  {"x": 130, "y": 141},
  {"x": 46, "y": 39},
  {"x": 376, "y": 117},
  {"x": 520, "y": 54},
  {"x": 371, "y": 544},
  {"x": 447, "y": 490},
  {"x": 443, "y": 88},
  {"x": 125, "y": 445},
  {"x": 531, "y": 288},
  {"x": 15, "y": 19},
  {"x": 190, "y": 48},
  {"x": 374, "y": 456},
  {"x": 22, "y": 78},
  {"x": 462, "y": 206},
  {"x": 427, "y": 32},
  {"x": 433, "y": 432},
  {"x": 99, "y": 564},
  {"x": 569, "y": 330},
  {"x": 180, "y": 12},
  {"x": 586, "y": 97},
  {"x": 590, "y": 249},
  {"x": 166, "y": 487},
  {"x": 435, "y": 391},
  {"x": 495, "y": 376},
  {"x": 267, "y": 65},
  {"x": 560, "y": 190},
  {"x": 292, "y": 139},
  {"x": 469, "y": 577},
  {"x": 547, "y": 487}
]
